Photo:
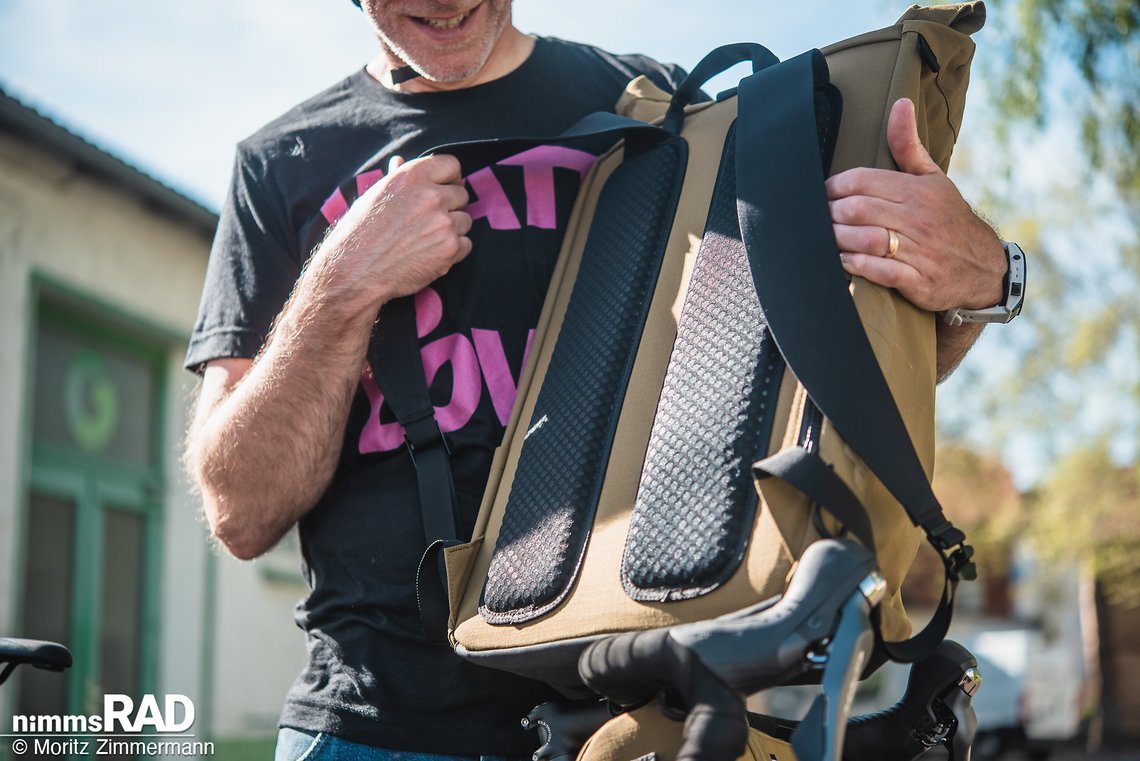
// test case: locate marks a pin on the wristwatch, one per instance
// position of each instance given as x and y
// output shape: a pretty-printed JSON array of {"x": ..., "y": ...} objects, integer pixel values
[{"x": 1014, "y": 296}]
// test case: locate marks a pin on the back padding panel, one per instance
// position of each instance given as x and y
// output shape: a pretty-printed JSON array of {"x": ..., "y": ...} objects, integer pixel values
[
  {"x": 567, "y": 445},
  {"x": 696, "y": 502}
]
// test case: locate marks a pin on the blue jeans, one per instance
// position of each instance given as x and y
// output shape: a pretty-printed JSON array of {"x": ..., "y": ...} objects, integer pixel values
[{"x": 294, "y": 745}]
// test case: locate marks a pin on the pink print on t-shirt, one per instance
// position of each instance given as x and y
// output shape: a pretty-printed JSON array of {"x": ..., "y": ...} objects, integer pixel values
[
  {"x": 488, "y": 199},
  {"x": 538, "y": 165},
  {"x": 474, "y": 362}
]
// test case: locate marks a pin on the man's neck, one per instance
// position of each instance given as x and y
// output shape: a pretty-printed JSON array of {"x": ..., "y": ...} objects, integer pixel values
[{"x": 512, "y": 50}]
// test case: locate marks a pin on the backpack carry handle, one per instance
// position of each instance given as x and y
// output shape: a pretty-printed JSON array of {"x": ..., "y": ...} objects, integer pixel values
[{"x": 719, "y": 60}]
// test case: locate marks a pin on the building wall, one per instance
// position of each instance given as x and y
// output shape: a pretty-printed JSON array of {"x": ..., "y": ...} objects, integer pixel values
[
  {"x": 260, "y": 651},
  {"x": 225, "y": 634}
]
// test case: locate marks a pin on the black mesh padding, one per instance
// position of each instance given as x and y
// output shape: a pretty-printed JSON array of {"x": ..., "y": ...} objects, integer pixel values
[
  {"x": 562, "y": 464},
  {"x": 696, "y": 501}
]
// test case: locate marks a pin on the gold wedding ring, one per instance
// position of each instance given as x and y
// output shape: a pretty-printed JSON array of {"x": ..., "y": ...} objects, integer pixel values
[{"x": 892, "y": 243}]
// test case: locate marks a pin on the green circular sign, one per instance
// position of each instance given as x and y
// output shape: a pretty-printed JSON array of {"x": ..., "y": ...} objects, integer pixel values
[{"x": 91, "y": 401}]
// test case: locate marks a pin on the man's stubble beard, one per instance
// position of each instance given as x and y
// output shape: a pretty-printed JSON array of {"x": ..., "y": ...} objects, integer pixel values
[{"x": 443, "y": 72}]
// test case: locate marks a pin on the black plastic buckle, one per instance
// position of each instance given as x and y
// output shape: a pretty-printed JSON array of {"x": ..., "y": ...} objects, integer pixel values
[
  {"x": 957, "y": 555},
  {"x": 423, "y": 432},
  {"x": 945, "y": 535},
  {"x": 961, "y": 564}
]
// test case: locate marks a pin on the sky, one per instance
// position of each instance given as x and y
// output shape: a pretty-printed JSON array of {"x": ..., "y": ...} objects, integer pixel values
[{"x": 171, "y": 87}]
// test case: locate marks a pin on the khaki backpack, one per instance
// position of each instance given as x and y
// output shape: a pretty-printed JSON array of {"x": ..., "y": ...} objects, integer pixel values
[{"x": 600, "y": 580}]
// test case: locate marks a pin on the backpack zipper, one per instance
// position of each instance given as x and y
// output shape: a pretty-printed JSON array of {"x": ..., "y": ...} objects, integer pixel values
[{"x": 810, "y": 425}]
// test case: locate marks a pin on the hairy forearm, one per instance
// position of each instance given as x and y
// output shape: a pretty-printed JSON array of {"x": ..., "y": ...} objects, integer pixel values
[
  {"x": 266, "y": 450},
  {"x": 267, "y": 436},
  {"x": 953, "y": 344}
]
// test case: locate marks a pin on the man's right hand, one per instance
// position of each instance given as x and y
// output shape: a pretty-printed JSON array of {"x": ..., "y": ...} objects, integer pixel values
[
  {"x": 404, "y": 232},
  {"x": 267, "y": 434}
]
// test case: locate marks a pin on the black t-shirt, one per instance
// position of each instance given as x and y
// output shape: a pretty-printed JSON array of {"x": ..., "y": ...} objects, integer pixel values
[{"x": 371, "y": 677}]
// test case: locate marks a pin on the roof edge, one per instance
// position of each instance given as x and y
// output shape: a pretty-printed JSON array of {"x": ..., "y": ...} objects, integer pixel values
[{"x": 29, "y": 124}]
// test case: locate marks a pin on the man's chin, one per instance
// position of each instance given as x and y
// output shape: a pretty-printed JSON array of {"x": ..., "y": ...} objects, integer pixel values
[
  {"x": 446, "y": 78},
  {"x": 456, "y": 74}
]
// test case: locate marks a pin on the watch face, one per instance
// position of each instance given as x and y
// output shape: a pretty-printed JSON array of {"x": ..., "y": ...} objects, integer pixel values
[{"x": 1015, "y": 288}]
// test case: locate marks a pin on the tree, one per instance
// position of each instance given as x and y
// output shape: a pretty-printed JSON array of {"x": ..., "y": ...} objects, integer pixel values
[
  {"x": 1089, "y": 510},
  {"x": 1057, "y": 64},
  {"x": 1047, "y": 71},
  {"x": 1100, "y": 39},
  {"x": 978, "y": 495},
  {"x": 1059, "y": 82}
]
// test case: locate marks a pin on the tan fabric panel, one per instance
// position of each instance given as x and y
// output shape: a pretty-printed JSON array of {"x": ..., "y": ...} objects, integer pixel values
[
  {"x": 882, "y": 66},
  {"x": 966, "y": 18},
  {"x": 643, "y": 100},
  {"x": 638, "y": 733},
  {"x": 872, "y": 71}
]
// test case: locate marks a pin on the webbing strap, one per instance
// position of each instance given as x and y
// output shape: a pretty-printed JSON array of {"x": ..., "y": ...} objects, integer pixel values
[
  {"x": 808, "y": 473},
  {"x": 394, "y": 355},
  {"x": 601, "y": 129},
  {"x": 786, "y": 225},
  {"x": 431, "y": 593},
  {"x": 717, "y": 61}
]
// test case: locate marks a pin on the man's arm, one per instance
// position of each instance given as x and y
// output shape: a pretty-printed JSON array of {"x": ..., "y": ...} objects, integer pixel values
[
  {"x": 947, "y": 256},
  {"x": 266, "y": 434},
  {"x": 953, "y": 344}
]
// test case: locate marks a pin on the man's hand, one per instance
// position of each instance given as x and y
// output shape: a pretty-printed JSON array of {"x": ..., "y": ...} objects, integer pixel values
[
  {"x": 267, "y": 434},
  {"x": 404, "y": 232},
  {"x": 946, "y": 255}
]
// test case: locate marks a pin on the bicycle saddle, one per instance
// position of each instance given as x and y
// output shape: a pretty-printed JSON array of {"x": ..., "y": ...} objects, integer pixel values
[{"x": 48, "y": 656}]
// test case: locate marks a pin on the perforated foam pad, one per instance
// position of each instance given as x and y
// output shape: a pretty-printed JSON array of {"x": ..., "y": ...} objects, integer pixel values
[
  {"x": 696, "y": 501},
  {"x": 562, "y": 464}
]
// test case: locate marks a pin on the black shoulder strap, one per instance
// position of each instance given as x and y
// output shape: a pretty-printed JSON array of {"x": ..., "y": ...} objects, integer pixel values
[
  {"x": 394, "y": 354},
  {"x": 787, "y": 230}
]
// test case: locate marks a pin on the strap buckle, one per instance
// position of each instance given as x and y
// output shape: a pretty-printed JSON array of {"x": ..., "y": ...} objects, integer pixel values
[
  {"x": 960, "y": 562},
  {"x": 956, "y": 554},
  {"x": 422, "y": 432}
]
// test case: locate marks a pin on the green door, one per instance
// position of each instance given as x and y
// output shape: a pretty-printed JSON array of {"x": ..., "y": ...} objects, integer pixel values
[{"x": 92, "y": 521}]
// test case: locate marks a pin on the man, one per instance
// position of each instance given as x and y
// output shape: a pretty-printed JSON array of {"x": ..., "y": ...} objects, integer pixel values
[{"x": 324, "y": 224}]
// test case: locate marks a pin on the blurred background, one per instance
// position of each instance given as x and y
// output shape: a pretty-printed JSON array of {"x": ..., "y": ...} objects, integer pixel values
[{"x": 117, "y": 126}]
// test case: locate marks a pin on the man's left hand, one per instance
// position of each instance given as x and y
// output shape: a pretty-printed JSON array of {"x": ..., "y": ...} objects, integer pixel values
[{"x": 946, "y": 255}]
